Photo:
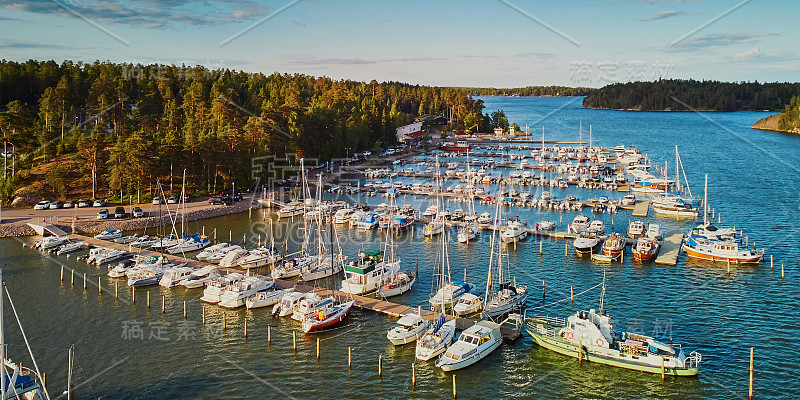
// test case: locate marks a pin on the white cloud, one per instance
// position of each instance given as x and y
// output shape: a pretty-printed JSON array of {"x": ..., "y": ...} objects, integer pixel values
[{"x": 746, "y": 55}]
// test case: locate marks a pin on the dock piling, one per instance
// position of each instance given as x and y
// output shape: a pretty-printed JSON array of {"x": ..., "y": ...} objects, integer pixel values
[
  {"x": 317, "y": 348},
  {"x": 62, "y": 273},
  {"x": 148, "y": 299},
  {"x": 465, "y": 274},
  {"x": 116, "y": 290},
  {"x": 580, "y": 352},
  {"x": 781, "y": 271},
  {"x": 163, "y": 304},
  {"x": 750, "y": 391},
  {"x": 540, "y": 247},
  {"x": 184, "y": 309},
  {"x": 294, "y": 341},
  {"x": 662, "y": 368},
  {"x": 99, "y": 288},
  {"x": 454, "y": 386},
  {"x": 349, "y": 357},
  {"x": 269, "y": 334},
  {"x": 72, "y": 277},
  {"x": 84, "y": 281},
  {"x": 133, "y": 294},
  {"x": 542, "y": 289},
  {"x": 566, "y": 250},
  {"x": 413, "y": 376},
  {"x": 571, "y": 296},
  {"x": 380, "y": 365}
]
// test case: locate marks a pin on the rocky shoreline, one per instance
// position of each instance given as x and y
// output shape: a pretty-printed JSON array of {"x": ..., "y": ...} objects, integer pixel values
[{"x": 87, "y": 225}]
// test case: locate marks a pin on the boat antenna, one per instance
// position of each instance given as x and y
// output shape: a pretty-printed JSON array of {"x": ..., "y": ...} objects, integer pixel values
[{"x": 603, "y": 292}]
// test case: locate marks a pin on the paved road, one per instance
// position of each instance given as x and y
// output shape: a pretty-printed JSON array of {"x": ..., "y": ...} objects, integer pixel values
[{"x": 29, "y": 214}]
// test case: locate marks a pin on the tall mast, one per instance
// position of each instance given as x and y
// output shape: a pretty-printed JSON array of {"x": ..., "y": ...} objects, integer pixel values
[
  {"x": 603, "y": 292},
  {"x": 2, "y": 344},
  {"x": 580, "y": 135},
  {"x": 677, "y": 175},
  {"x": 705, "y": 203},
  {"x": 183, "y": 196},
  {"x": 590, "y": 136}
]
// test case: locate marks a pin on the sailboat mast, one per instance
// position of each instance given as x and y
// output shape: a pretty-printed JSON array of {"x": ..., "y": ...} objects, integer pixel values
[
  {"x": 590, "y": 136},
  {"x": 705, "y": 203},
  {"x": 183, "y": 202},
  {"x": 677, "y": 175},
  {"x": 2, "y": 345},
  {"x": 580, "y": 135}
]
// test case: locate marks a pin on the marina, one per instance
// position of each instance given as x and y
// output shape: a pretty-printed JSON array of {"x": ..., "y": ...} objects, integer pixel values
[{"x": 559, "y": 283}]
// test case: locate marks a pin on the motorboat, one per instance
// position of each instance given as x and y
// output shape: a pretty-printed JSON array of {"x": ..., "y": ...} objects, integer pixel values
[
  {"x": 475, "y": 343},
  {"x": 110, "y": 234},
  {"x": 144, "y": 241},
  {"x": 598, "y": 226},
  {"x": 232, "y": 258},
  {"x": 515, "y": 231},
  {"x": 579, "y": 224},
  {"x": 545, "y": 226},
  {"x": 109, "y": 255},
  {"x": 208, "y": 251},
  {"x": 720, "y": 250},
  {"x": 654, "y": 231},
  {"x": 614, "y": 246},
  {"x": 293, "y": 267},
  {"x": 309, "y": 306},
  {"x": 51, "y": 242},
  {"x": 369, "y": 273},
  {"x": 590, "y": 335},
  {"x": 190, "y": 243},
  {"x": 200, "y": 277},
  {"x": 402, "y": 223},
  {"x": 354, "y": 218},
  {"x": 120, "y": 269},
  {"x": 258, "y": 258},
  {"x": 237, "y": 293},
  {"x": 266, "y": 298},
  {"x": 174, "y": 276},
  {"x": 216, "y": 287},
  {"x": 70, "y": 247},
  {"x": 467, "y": 233},
  {"x": 343, "y": 215},
  {"x": 408, "y": 329},
  {"x": 469, "y": 303},
  {"x": 433, "y": 228},
  {"x": 435, "y": 341},
  {"x": 125, "y": 267},
  {"x": 645, "y": 249},
  {"x": 368, "y": 221},
  {"x": 636, "y": 229},
  {"x": 431, "y": 211},
  {"x": 289, "y": 302},
  {"x": 587, "y": 242},
  {"x": 147, "y": 276},
  {"x": 447, "y": 295},
  {"x": 485, "y": 218},
  {"x": 165, "y": 242},
  {"x": 628, "y": 200},
  {"x": 292, "y": 209},
  {"x": 126, "y": 239},
  {"x": 217, "y": 256}
]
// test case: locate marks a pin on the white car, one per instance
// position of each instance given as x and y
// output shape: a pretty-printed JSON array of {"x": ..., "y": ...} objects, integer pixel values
[
  {"x": 42, "y": 205},
  {"x": 99, "y": 203},
  {"x": 156, "y": 201}
]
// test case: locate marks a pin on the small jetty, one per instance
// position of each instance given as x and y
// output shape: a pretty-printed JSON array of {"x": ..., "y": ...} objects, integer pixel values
[
  {"x": 670, "y": 248},
  {"x": 641, "y": 208},
  {"x": 52, "y": 229}
]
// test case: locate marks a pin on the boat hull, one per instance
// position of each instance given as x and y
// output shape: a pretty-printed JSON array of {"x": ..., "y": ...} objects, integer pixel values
[{"x": 466, "y": 362}]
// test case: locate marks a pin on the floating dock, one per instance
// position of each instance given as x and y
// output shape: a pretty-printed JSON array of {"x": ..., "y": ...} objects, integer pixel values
[
  {"x": 641, "y": 208},
  {"x": 670, "y": 248}
]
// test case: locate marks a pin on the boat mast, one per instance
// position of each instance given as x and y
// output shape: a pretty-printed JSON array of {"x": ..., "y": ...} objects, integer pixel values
[
  {"x": 677, "y": 175},
  {"x": 183, "y": 203},
  {"x": 603, "y": 292},
  {"x": 2, "y": 346},
  {"x": 580, "y": 135},
  {"x": 705, "y": 203},
  {"x": 590, "y": 136}
]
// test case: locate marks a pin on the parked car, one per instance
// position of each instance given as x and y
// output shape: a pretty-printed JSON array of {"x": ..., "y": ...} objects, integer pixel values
[
  {"x": 102, "y": 214},
  {"x": 220, "y": 201},
  {"x": 156, "y": 201},
  {"x": 186, "y": 198},
  {"x": 99, "y": 203},
  {"x": 172, "y": 200},
  {"x": 56, "y": 205},
  {"x": 69, "y": 204},
  {"x": 84, "y": 203},
  {"x": 42, "y": 205},
  {"x": 119, "y": 212},
  {"x": 236, "y": 196},
  {"x": 137, "y": 212}
]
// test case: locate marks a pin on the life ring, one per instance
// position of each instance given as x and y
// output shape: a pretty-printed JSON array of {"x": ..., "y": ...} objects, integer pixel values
[
  {"x": 599, "y": 342},
  {"x": 635, "y": 350},
  {"x": 569, "y": 335}
]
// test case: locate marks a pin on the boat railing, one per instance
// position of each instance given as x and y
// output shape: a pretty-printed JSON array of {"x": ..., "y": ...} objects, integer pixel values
[
  {"x": 552, "y": 320},
  {"x": 694, "y": 359}
]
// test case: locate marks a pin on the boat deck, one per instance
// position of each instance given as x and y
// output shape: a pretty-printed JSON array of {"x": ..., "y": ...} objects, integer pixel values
[
  {"x": 670, "y": 248},
  {"x": 641, "y": 208}
]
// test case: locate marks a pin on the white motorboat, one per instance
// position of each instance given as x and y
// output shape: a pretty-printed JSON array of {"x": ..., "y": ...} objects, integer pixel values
[
  {"x": 126, "y": 239},
  {"x": 545, "y": 226},
  {"x": 110, "y": 255},
  {"x": 310, "y": 306},
  {"x": 628, "y": 200},
  {"x": 258, "y": 258},
  {"x": 109, "y": 234},
  {"x": 144, "y": 241},
  {"x": 408, "y": 329},
  {"x": 266, "y": 298},
  {"x": 579, "y": 223},
  {"x": 216, "y": 287},
  {"x": 190, "y": 243},
  {"x": 354, "y": 218},
  {"x": 123, "y": 268},
  {"x": 515, "y": 231},
  {"x": 636, "y": 229},
  {"x": 52, "y": 242},
  {"x": 120, "y": 269},
  {"x": 343, "y": 215},
  {"x": 468, "y": 304},
  {"x": 292, "y": 209},
  {"x": 237, "y": 293},
  {"x": 208, "y": 251},
  {"x": 165, "y": 242},
  {"x": 217, "y": 256},
  {"x": 485, "y": 218},
  {"x": 654, "y": 231},
  {"x": 367, "y": 274},
  {"x": 146, "y": 276},
  {"x": 368, "y": 221},
  {"x": 587, "y": 242},
  {"x": 200, "y": 277},
  {"x": 598, "y": 226},
  {"x": 449, "y": 294},
  {"x": 232, "y": 258},
  {"x": 431, "y": 211},
  {"x": 436, "y": 339},
  {"x": 467, "y": 233},
  {"x": 70, "y": 247},
  {"x": 289, "y": 302},
  {"x": 293, "y": 267},
  {"x": 174, "y": 276},
  {"x": 475, "y": 343}
]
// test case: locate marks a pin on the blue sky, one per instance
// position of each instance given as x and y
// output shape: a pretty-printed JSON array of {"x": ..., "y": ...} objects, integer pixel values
[{"x": 505, "y": 43}]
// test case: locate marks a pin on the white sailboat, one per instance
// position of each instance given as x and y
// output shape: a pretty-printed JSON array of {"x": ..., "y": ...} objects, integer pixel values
[{"x": 502, "y": 296}]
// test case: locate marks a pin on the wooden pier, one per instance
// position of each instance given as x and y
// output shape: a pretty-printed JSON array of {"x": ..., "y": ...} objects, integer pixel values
[
  {"x": 641, "y": 208},
  {"x": 670, "y": 248}
]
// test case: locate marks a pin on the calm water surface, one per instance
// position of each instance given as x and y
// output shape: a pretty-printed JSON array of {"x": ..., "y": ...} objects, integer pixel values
[{"x": 127, "y": 351}]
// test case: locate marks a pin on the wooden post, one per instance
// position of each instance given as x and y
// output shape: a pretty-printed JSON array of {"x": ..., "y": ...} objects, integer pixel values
[
  {"x": 269, "y": 334},
  {"x": 566, "y": 250},
  {"x": 380, "y": 365},
  {"x": 729, "y": 266},
  {"x": 349, "y": 357},
  {"x": 133, "y": 294},
  {"x": 163, "y": 304},
  {"x": 184, "y": 309},
  {"x": 454, "y": 386},
  {"x": 72, "y": 277},
  {"x": 317, "y": 348},
  {"x": 781, "y": 271},
  {"x": 719, "y": 218},
  {"x": 62, "y": 273},
  {"x": 465, "y": 275},
  {"x": 294, "y": 341},
  {"x": 413, "y": 375},
  {"x": 747, "y": 241},
  {"x": 580, "y": 352},
  {"x": 540, "y": 247},
  {"x": 571, "y": 296},
  {"x": 224, "y": 322},
  {"x": 84, "y": 281},
  {"x": 770, "y": 262},
  {"x": 542, "y": 288},
  {"x": 662, "y": 368},
  {"x": 99, "y": 288},
  {"x": 750, "y": 391},
  {"x": 116, "y": 290},
  {"x": 245, "y": 328},
  {"x": 204, "y": 316},
  {"x": 230, "y": 236},
  {"x": 148, "y": 299},
  {"x": 515, "y": 247}
]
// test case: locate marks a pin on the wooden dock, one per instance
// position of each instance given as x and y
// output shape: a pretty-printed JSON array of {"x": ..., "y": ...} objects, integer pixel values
[
  {"x": 670, "y": 248},
  {"x": 41, "y": 229},
  {"x": 641, "y": 208},
  {"x": 361, "y": 302}
]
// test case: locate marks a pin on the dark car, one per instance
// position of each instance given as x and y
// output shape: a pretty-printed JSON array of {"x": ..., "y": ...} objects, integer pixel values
[
  {"x": 220, "y": 201},
  {"x": 84, "y": 203},
  {"x": 119, "y": 212},
  {"x": 70, "y": 204},
  {"x": 236, "y": 196}
]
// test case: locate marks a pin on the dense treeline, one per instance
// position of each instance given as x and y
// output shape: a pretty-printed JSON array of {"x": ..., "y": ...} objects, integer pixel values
[
  {"x": 677, "y": 94},
  {"x": 528, "y": 91},
  {"x": 129, "y": 125},
  {"x": 789, "y": 119}
]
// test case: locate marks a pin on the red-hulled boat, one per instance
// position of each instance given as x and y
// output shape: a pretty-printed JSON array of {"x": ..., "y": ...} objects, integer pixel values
[
  {"x": 460, "y": 145},
  {"x": 614, "y": 245},
  {"x": 325, "y": 319},
  {"x": 645, "y": 249}
]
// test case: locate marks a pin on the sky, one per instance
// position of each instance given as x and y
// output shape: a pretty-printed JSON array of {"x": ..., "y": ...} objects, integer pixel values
[{"x": 503, "y": 43}]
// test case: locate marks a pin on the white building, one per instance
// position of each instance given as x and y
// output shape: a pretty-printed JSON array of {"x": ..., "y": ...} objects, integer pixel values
[{"x": 410, "y": 132}]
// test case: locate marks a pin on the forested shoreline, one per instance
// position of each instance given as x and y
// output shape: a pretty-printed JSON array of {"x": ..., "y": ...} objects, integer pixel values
[{"x": 689, "y": 95}]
